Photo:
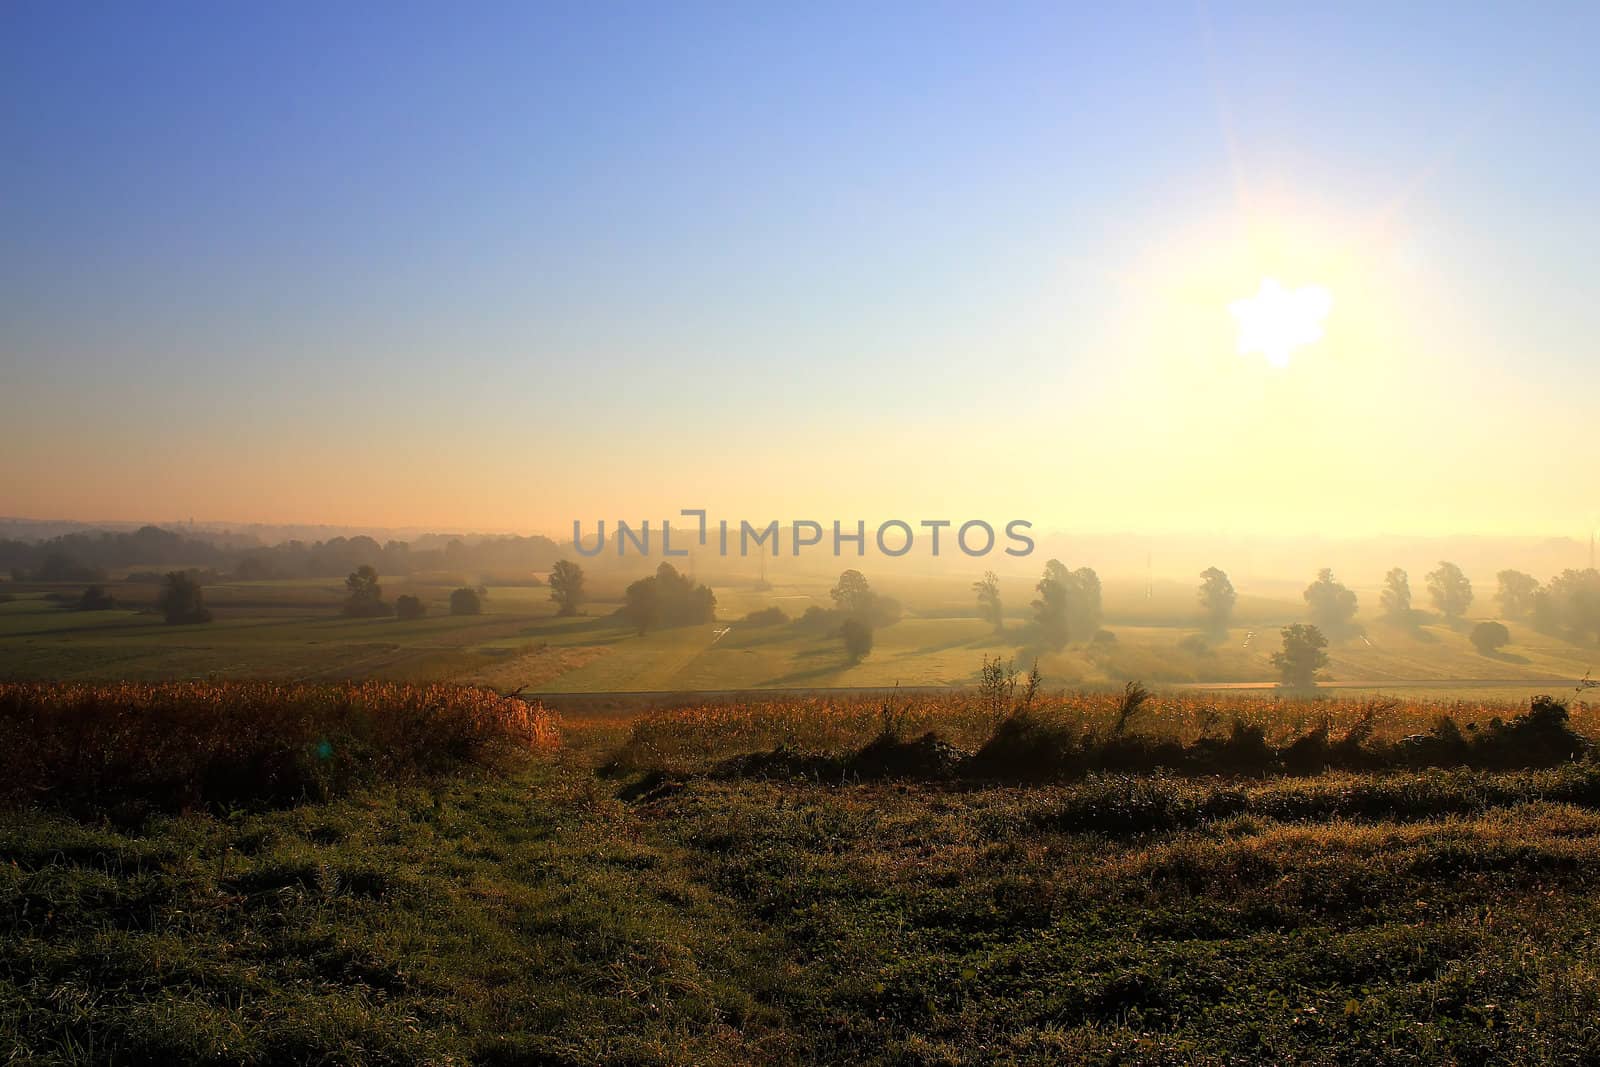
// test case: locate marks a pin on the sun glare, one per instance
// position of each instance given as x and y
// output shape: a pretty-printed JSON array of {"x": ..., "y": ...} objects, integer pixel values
[{"x": 1276, "y": 321}]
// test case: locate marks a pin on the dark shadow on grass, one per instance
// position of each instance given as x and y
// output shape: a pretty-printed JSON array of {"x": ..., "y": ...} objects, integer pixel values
[
  {"x": 757, "y": 639},
  {"x": 587, "y": 624},
  {"x": 801, "y": 677},
  {"x": 982, "y": 641}
]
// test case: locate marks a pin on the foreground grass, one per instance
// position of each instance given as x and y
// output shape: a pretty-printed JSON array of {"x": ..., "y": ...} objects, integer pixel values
[
  {"x": 934, "y": 927},
  {"x": 495, "y": 921},
  {"x": 533, "y": 915}
]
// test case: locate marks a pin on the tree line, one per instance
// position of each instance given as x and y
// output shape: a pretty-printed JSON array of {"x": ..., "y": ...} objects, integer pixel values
[{"x": 89, "y": 557}]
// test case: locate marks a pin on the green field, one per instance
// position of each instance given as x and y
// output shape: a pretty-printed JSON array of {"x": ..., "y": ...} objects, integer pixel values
[{"x": 293, "y": 630}]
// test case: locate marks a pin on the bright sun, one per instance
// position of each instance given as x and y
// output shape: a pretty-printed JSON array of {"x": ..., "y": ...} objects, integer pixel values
[{"x": 1276, "y": 321}]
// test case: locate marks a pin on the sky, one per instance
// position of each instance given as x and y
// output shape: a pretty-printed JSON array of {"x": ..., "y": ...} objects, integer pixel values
[{"x": 500, "y": 267}]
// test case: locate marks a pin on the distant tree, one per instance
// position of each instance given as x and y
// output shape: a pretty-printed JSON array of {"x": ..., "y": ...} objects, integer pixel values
[
  {"x": 1396, "y": 598},
  {"x": 409, "y": 607},
  {"x": 1544, "y": 614},
  {"x": 362, "y": 584},
  {"x": 1302, "y": 657},
  {"x": 1050, "y": 609},
  {"x": 1450, "y": 590},
  {"x": 1569, "y": 604},
  {"x": 60, "y": 567},
  {"x": 95, "y": 598},
  {"x": 851, "y": 593},
  {"x": 989, "y": 607},
  {"x": 857, "y": 634},
  {"x": 465, "y": 601},
  {"x": 667, "y": 598},
  {"x": 1083, "y": 602},
  {"x": 254, "y": 569},
  {"x": 365, "y": 595},
  {"x": 566, "y": 586},
  {"x": 1217, "y": 597},
  {"x": 1332, "y": 605},
  {"x": 853, "y": 597},
  {"x": 641, "y": 604},
  {"x": 181, "y": 600},
  {"x": 1516, "y": 593},
  {"x": 1488, "y": 637}
]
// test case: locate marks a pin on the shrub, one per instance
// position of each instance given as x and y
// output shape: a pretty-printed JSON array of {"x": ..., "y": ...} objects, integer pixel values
[
  {"x": 818, "y": 618},
  {"x": 1028, "y": 745},
  {"x": 466, "y": 601},
  {"x": 773, "y": 616},
  {"x": 1541, "y": 737},
  {"x": 668, "y": 599},
  {"x": 182, "y": 745},
  {"x": 181, "y": 600},
  {"x": 857, "y": 634},
  {"x": 95, "y": 598},
  {"x": 409, "y": 607},
  {"x": 1489, "y": 637}
]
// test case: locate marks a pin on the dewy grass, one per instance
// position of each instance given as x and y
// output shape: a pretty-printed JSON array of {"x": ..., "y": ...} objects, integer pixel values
[{"x": 532, "y": 915}]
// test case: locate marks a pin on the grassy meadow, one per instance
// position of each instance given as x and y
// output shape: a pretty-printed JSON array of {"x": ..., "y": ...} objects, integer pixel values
[
  {"x": 696, "y": 885},
  {"x": 292, "y": 630}
]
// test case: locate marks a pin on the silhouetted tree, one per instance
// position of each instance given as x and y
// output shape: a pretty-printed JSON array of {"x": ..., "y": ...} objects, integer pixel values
[
  {"x": 1450, "y": 590},
  {"x": 1487, "y": 637},
  {"x": 566, "y": 586},
  {"x": 989, "y": 607},
  {"x": 1516, "y": 593},
  {"x": 365, "y": 599},
  {"x": 1217, "y": 598},
  {"x": 1050, "y": 609},
  {"x": 851, "y": 593},
  {"x": 409, "y": 607},
  {"x": 667, "y": 599},
  {"x": 1332, "y": 605},
  {"x": 853, "y": 597},
  {"x": 181, "y": 600},
  {"x": 1302, "y": 657},
  {"x": 1396, "y": 597},
  {"x": 465, "y": 601}
]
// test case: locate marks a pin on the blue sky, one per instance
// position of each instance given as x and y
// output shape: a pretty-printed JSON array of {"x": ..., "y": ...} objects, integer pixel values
[{"x": 487, "y": 240}]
